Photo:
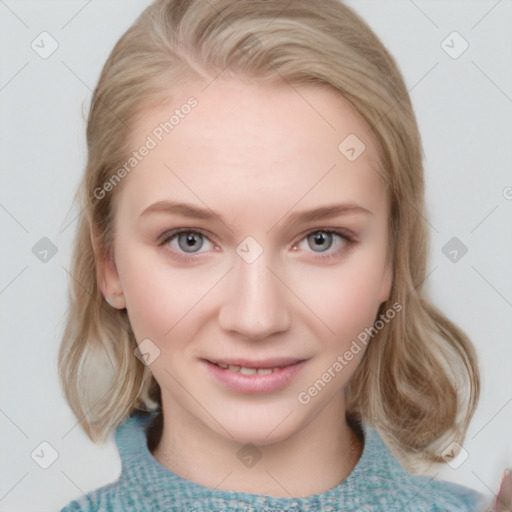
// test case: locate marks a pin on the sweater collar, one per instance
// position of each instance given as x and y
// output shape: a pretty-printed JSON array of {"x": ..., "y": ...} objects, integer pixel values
[{"x": 132, "y": 444}]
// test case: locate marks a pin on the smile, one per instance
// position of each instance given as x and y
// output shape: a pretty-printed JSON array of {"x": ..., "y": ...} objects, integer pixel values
[
  {"x": 246, "y": 370},
  {"x": 254, "y": 377}
]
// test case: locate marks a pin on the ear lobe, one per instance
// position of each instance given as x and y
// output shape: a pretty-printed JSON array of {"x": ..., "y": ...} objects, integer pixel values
[
  {"x": 106, "y": 274},
  {"x": 387, "y": 283}
]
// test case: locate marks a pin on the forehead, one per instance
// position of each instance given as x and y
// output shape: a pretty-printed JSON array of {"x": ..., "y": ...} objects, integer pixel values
[{"x": 258, "y": 143}]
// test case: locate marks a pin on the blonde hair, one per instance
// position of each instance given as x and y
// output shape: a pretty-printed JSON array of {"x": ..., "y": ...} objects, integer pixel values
[{"x": 418, "y": 382}]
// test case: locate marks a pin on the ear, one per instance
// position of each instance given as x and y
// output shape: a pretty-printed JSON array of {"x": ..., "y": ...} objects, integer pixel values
[
  {"x": 106, "y": 274},
  {"x": 387, "y": 282}
]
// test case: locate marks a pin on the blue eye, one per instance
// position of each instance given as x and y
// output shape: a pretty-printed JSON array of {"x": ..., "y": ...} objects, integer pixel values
[
  {"x": 186, "y": 241},
  {"x": 321, "y": 240},
  {"x": 189, "y": 244},
  {"x": 190, "y": 241},
  {"x": 326, "y": 243}
]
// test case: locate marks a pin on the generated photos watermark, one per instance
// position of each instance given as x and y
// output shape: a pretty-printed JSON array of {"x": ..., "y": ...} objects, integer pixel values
[
  {"x": 157, "y": 135},
  {"x": 305, "y": 397}
]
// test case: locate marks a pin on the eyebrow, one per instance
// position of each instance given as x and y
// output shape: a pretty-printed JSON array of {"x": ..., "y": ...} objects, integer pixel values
[{"x": 302, "y": 217}]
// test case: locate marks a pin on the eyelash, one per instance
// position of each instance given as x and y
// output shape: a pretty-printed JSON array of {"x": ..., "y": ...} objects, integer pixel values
[{"x": 349, "y": 239}]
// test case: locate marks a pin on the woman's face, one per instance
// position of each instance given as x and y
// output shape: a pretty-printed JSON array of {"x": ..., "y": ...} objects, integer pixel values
[{"x": 280, "y": 264}]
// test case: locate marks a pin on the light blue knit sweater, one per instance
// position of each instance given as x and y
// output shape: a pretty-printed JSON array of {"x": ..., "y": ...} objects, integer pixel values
[{"x": 377, "y": 483}]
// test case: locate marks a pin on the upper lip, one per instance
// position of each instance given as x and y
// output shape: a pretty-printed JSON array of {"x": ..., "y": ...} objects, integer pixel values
[{"x": 257, "y": 363}]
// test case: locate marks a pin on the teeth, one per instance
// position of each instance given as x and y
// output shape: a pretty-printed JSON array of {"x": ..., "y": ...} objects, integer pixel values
[{"x": 247, "y": 371}]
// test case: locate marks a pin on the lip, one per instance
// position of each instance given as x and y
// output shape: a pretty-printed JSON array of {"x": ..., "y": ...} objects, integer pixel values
[
  {"x": 256, "y": 383},
  {"x": 258, "y": 363}
]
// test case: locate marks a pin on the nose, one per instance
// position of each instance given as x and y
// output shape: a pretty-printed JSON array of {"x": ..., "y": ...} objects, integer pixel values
[{"x": 255, "y": 304}]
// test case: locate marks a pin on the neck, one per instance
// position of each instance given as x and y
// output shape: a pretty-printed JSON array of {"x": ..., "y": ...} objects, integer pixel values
[{"x": 316, "y": 458}]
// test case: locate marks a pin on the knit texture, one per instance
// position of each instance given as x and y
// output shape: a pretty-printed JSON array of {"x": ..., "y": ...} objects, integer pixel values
[{"x": 377, "y": 483}]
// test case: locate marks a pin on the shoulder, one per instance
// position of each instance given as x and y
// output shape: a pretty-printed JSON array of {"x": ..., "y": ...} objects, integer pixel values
[
  {"x": 130, "y": 489},
  {"x": 100, "y": 500},
  {"x": 393, "y": 488},
  {"x": 423, "y": 493},
  {"x": 120, "y": 495}
]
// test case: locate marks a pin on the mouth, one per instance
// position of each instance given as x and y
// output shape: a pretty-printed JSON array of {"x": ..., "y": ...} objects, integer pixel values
[
  {"x": 246, "y": 370},
  {"x": 254, "y": 376},
  {"x": 260, "y": 366}
]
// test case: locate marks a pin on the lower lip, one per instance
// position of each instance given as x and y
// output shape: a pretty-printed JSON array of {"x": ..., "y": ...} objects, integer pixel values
[{"x": 256, "y": 383}]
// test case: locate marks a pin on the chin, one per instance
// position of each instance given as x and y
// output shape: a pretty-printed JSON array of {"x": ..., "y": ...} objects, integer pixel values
[
  {"x": 259, "y": 435},
  {"x": 258, "y": 428}
]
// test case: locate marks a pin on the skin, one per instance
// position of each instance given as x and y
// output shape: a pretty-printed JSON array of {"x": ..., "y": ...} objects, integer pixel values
[{"x": 254, "y": 155}]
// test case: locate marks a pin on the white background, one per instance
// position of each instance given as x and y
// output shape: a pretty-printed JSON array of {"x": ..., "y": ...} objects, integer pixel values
[{"x": 463, "y": 105}]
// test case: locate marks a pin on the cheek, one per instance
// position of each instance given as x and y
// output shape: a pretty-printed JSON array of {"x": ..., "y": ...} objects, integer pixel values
[
  {"x": 160, "y": 297},
  {"x": 346, "y": 297}
]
